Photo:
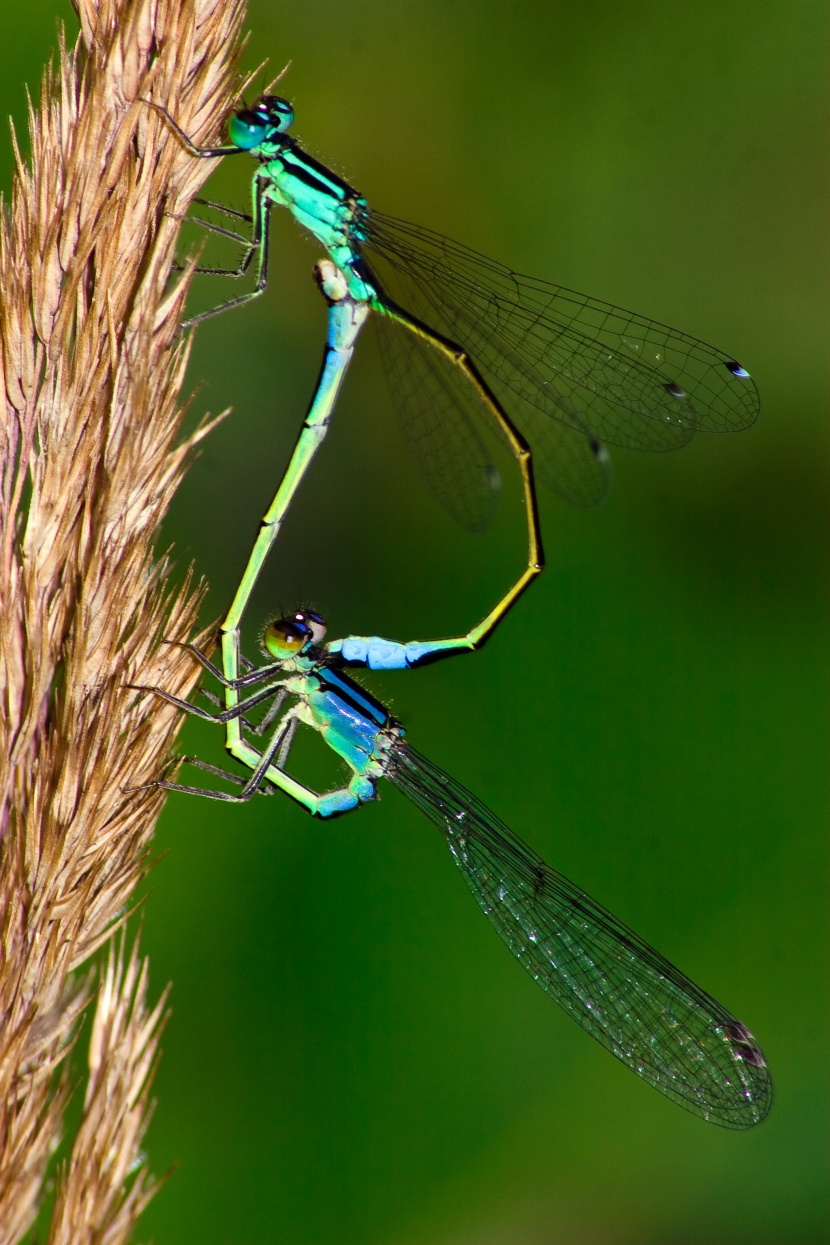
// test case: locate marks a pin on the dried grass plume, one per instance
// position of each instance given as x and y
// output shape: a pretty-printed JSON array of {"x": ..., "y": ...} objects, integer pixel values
[{"x": 91, "y": 365}]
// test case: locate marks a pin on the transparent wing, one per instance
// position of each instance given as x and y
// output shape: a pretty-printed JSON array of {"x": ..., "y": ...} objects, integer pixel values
[
  {"x": 443, "y": 419},
  {"x": 612, "y": 983},
  {"x": 623, "y": 378},
  {"x": 440, "y": 415}
]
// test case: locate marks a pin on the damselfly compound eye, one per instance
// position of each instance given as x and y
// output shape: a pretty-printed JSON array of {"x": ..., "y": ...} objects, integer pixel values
[
  {"x": 247, "y": 129},
  {"x": 286, "y": 637}
]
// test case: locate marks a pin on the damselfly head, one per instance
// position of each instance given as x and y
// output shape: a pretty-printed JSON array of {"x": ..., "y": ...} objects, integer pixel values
[
  {"x": 284, "y": 638},
  {"x": 251, "y": 127}
]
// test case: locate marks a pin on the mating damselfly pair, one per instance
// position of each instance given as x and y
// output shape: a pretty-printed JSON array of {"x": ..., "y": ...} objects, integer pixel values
[{"x": 555, "y": 374}]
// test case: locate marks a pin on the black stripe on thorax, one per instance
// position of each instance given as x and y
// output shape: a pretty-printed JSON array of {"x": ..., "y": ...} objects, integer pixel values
[
  {"x": 314, "y": 174},
  {"x": 354, "y": 695}
]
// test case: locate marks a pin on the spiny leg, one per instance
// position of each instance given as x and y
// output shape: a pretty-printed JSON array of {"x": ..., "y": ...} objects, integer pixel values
[
  {"x": 235, "y": 711},
  {"x": 282, "y": 755},
  {"x": 204, "y": 153},
  {"x": 253, "y": 728},
  {"x": 258, "y": 244},
  {"x": 257, "y": 781},
  {"x": 255, "y": 674},
  {"x": 248, "y": 243},
  {"x": 215, "y": 700},
  {"x": 228, "y": 211},
  {"x": 246, "y": 240},
  {"x": 261, "y": 727},
  {"x": 265, "y": 788},
  {"x": 259, "y": 232}
]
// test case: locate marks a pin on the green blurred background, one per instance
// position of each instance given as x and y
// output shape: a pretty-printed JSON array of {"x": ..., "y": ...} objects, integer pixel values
[{"x": 353, "y": 1057}]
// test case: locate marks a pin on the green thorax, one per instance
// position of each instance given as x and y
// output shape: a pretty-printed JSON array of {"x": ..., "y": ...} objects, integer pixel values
[{"x": 331, "y": 209}]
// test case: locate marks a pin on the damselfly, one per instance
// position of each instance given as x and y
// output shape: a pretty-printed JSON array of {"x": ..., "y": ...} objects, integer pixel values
[
  {"x": 555, "y": 370},
  {"x": 609, "y": 980}
]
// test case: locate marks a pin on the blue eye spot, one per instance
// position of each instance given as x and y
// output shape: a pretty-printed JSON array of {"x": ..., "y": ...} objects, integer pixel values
[
  {"x": 737, "y": 370},
  {"x": 282, "y": 114},
  {"x": 674, "y": 389},
  {"x": 275, "y": 113}
]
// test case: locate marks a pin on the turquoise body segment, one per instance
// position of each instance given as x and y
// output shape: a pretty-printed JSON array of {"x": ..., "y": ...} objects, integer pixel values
[{"x": 323, "y": 204}]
